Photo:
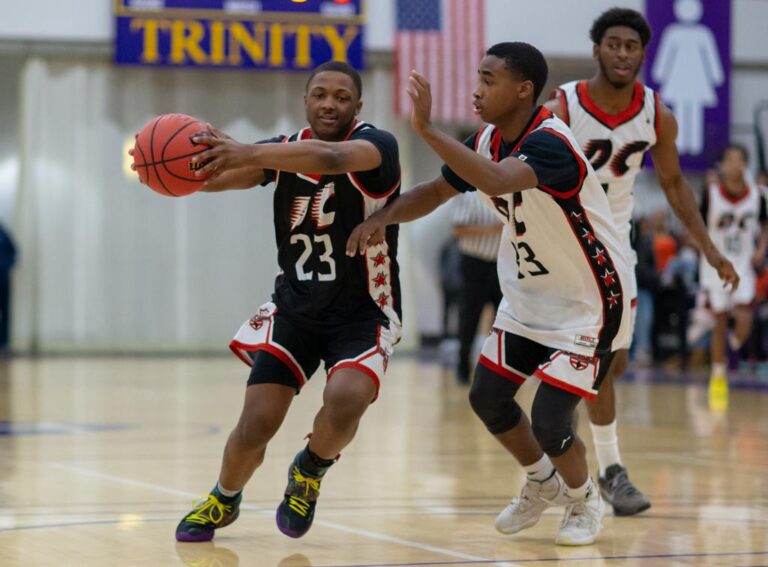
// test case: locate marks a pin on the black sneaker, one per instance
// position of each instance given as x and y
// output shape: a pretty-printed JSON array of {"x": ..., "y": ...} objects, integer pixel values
[
  {"x": 620, "y": 493},
  {"x": 210, "y": 513},
  {"x": 297, "y": 510}
]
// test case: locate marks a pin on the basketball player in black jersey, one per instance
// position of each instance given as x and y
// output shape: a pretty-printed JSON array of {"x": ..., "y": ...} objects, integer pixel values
[{"x": 326, "y": 306}]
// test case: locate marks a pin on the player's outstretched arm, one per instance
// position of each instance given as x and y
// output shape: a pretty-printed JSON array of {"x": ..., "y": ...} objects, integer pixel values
[
  {"x": 490, "y": 177},
  {"x": 411, "y": 205},
  {"x": 309, "y": 156},
  {"x": 680, "y": 197}
]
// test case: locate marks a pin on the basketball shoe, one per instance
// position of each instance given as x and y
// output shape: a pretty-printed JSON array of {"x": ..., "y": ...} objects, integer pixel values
[
  {"x": 526, "y": 510},
  {"x": 209, "y": 513},
  {"x": 583, "y": 519},
  {"x": 619, "y": 492},
  {"x": 297, "y": 510},
  {"x": 718, "y": 393}
]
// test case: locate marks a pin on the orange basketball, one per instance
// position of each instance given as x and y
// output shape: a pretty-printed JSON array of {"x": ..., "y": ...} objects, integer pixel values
[{"x": 162, "y": 154}]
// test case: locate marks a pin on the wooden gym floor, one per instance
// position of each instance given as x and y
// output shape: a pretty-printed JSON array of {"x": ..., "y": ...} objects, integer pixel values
[{"x": 100, "y": 458}]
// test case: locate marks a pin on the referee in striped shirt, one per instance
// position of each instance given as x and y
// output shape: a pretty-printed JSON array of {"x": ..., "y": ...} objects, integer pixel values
[{"x": 478, "y": 232}]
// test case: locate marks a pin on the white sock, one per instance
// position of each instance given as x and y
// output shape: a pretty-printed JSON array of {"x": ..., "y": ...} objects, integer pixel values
[
  {"x": 606, "y": 445},
  {"x": 718, "y": 370},
  {"x": 580, "y": 492},
  {"x": 541, "y": 470},
  {"x": 225, "y": 492}
]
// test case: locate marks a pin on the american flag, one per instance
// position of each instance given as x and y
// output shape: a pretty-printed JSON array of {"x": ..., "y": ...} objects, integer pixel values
[{"x": 443, "y": 40}]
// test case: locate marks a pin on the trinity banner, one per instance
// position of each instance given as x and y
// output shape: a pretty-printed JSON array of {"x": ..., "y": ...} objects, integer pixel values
[{"x": 261, "y": 34}]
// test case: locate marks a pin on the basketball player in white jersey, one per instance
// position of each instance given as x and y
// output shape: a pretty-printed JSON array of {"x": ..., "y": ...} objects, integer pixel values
[
  {"x": 561, "y": 268},
  {"x": 735, "y": 212},
  {"x": 616, "y": 120}
]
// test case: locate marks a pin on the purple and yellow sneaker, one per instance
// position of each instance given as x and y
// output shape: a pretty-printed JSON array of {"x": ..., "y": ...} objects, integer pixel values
[
  {"x": 210, "y": 513},
  {"x": 297, "y": 510}
]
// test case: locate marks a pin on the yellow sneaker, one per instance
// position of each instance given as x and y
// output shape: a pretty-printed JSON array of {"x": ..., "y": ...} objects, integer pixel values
[{"x": 718, "y": 394}]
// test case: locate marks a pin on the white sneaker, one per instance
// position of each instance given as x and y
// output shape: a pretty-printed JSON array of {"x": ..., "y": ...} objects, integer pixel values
[
  {"x": 525, "y": 510},
  {"x": 582, "y": 521}
]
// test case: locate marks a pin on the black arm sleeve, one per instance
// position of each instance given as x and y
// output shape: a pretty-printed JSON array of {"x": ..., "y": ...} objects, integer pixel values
[
  {"x": 382, "y": 179},
  {"x": 558, "y": 168},
  {"x": 763, "y": 216},
  {"x": 450, "y": 176}
]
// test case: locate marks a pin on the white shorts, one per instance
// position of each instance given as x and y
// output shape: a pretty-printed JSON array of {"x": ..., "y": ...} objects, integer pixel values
[
  {"x": 516, "y": 358},
  {"x": 723, "y": 299}
]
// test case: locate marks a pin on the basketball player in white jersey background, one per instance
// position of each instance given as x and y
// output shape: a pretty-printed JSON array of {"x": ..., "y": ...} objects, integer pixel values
[
  {"x": 561, "y": 269},
  {"x": 735, "y": 212},
  {"x": 616, "y": 120}
]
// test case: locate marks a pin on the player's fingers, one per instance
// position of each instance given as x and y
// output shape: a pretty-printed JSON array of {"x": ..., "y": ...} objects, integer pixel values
[
  {"x": 414, "y": 83},
  {"x": 217, "y": 133},
  {"x": 376, "y": 238},
  {"x": 130, "y": 152},
  {"x": 206, "y": 156},
  {"x": 210, "y": 169},
  {"x": 418, "y": 77},
  {"x": 365, "y": 240},
  {"x": 352, "y": 241},
  {"x": 205, "y": 139},
  {"x": 209, "y": 161}
]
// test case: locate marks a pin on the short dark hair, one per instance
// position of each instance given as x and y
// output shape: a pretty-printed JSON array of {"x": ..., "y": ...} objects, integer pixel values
[
  {"x": 525, "y": 60},
  {"x": 624, "y": 17},
  {"x": 739, "y": 148},
  {"x": 341, "y": 67}
]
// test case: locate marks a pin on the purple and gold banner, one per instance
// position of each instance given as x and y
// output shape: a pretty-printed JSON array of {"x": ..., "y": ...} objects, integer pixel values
[
  {"x": 689, "y": 63},
  {"x": 260, "y": 34}
]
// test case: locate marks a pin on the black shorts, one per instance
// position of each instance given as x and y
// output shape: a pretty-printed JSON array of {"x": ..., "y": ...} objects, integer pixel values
[
  {"x": 516, "y": 358},
  {"x": 280, "y": 351}
]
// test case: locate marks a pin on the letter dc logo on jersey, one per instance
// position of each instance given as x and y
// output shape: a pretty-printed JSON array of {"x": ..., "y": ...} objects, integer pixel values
[
  {"x": 598, "y": 152},
  {"x": 320, "y": 216}
]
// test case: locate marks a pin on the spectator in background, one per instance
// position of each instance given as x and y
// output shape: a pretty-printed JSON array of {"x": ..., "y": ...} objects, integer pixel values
[
  {"x": 7, "y": 260},
  {"x": 679, "y": 282},
  {"x": 478, "y": 231},
  {"x": 664, "y": 244}
]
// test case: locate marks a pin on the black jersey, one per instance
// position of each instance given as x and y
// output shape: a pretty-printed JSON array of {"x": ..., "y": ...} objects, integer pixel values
[{"x": 314, "y": 216}]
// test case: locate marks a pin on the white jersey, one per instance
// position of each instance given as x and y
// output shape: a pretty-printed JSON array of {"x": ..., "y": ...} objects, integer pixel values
[
  {"x": 733, "y": 224},
  {"x": 560, "y": 264},
  {"x": 614, "y": 144}
]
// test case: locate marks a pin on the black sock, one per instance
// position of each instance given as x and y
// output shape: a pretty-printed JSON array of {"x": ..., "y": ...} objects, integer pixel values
[
  {"x": 313, "y": 464},
  {"x": 222, "y": 497}
]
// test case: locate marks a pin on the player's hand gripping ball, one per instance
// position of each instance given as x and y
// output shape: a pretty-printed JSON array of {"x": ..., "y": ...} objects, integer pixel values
[{"x": 162, "y": 154}]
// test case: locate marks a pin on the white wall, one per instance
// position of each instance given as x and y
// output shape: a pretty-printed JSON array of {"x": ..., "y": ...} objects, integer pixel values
[
  {"x": 9, "y": 155},
  {"x": 55, "y": 20}
]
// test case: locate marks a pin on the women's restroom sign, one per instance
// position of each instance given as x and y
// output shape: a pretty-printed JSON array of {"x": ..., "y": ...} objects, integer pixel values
[{"x": 689, "y": 64}]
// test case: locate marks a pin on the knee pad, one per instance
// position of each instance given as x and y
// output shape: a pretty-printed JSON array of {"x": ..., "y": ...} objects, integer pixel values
[
  {"x": 554, "y": 441},
  {"x": 552, "y": 417},
  {"x": 492, "y": 398}
]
